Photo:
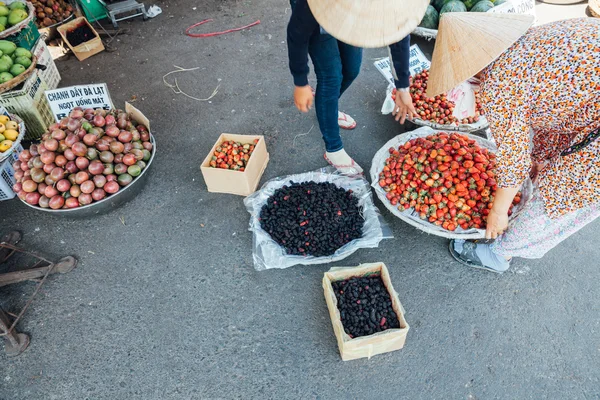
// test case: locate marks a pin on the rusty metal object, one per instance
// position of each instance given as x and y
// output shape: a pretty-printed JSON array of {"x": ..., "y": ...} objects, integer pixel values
[{"x": 16, "y": 343}]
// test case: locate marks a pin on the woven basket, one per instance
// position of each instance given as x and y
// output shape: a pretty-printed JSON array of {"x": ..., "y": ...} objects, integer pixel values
[
  {"x": 17, "y": 80},
  {"x": 14, "y": 30},
  {"x": 16, "y": 143},
  {"x": 594, "y": 6},
  {"x": 410, "y": 216}
]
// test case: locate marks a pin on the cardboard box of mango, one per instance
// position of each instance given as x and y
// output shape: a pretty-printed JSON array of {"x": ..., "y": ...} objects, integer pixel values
[
  {"x": 9, "y": 133},
  {"x": 12, "y": 14}
]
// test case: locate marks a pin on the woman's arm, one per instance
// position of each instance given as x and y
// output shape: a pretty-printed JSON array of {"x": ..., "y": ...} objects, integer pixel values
[
  {"x": 301, "y": 27},
  {"x": 400, "y": 54},
  {"x": 508, "y": 115},
  {"x": 400, "y": 57}
]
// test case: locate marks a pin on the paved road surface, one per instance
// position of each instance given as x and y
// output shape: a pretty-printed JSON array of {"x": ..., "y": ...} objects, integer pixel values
[{"x": 166, "y": 304}]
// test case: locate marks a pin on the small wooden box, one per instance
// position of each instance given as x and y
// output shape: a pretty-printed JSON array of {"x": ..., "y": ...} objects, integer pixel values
[
  {"x": 377, "y": 343},
  {"x": 84, "y": 50},
  {"x": 242, "y": 183}
]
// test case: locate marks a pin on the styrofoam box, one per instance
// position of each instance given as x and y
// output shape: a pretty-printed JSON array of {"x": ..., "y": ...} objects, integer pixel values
[{"x": 50, "y": 75}]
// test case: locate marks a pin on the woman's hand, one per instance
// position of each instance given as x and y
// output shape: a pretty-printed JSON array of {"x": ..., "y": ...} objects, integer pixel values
[
  {"x": 496, "y": 224},
  {"x": 497, "y": 220},
  {"x": 303, "y": 98},
  {"x": 404, "y": 107},
  {"x": 536, "y": 168}
]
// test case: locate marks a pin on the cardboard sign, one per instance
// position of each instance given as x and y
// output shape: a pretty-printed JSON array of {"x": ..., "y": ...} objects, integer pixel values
[
  {"x": 417, "y": 63},
  {"x": 516, "y": 7},
  {"x": 63, "y": 100}
]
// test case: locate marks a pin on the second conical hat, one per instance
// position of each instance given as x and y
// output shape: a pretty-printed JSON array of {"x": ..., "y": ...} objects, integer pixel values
[
  {"x": 368, "y": 23},
  {"x": 468, "y": 42}
]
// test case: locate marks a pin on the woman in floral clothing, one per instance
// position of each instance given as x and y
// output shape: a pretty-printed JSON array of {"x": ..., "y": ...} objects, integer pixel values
[{"x": 542, "y": 99}]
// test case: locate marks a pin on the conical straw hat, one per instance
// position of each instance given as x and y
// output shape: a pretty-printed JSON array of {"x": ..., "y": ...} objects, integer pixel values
[
  {"x": 468, "y": 42},
  {"x": 368, "y": 23}
]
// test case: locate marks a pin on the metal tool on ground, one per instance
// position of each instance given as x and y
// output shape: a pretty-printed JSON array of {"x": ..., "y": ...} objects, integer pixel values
[{"x": 38, "y": 269}]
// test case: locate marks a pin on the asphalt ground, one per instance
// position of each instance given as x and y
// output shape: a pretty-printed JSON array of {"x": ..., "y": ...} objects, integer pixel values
[{"x": 166, "y": 304}]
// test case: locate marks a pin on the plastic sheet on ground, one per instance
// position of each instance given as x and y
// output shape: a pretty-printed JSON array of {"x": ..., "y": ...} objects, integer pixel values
[
  {"x": 425, "y": 33},
  {"x": 268, "y": 254},
  {"x": 412, "y": 217}
]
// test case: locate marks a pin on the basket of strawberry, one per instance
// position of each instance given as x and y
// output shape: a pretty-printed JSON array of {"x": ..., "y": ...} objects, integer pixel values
[
  {"x": 439, "y": 112},
  {"x": 440, "y": 182}
]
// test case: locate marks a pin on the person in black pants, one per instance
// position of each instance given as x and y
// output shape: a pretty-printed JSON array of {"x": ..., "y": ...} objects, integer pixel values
[{"x": 336, "y": 65}]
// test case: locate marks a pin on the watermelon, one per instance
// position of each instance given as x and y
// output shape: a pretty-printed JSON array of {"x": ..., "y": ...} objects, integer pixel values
[
  {"x": 482, "y": 6},
  {"x": 454, "y": 6},
  {"x": 431, "y": 18},
  {"x": 438, "y": 4},
  {"x": 469, "y": 3}
]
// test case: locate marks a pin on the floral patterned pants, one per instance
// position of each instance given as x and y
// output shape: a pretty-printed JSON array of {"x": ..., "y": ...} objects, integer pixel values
[{"x": 533, "y": 233}]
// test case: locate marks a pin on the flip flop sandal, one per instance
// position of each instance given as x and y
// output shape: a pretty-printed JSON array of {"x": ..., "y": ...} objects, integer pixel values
[
  {"x": 468, "y": 256},
  {"x": 345, "y": 121},
  {"x": 353, "y": 166}
]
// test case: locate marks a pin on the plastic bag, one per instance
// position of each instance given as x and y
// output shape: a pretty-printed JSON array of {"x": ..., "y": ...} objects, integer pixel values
[
  {"x": 153, "y": 11},
  {"x": 268, "y": 254},
  {"x": 412, "y": 217},
  {"x": 388, "y": 103},
  {"x": 463, "y": 97}
]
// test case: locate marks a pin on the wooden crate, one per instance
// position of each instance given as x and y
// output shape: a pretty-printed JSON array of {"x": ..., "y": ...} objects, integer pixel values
[
  {"x": 242, "y": 183},
  {"x": 84, "y": 50},
  {"x": 377, "y": 343}
]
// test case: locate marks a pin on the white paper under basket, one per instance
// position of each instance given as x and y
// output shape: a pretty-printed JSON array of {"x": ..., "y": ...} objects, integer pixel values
[
  {"x": 412, "y": 217},
  {"x": 268, "y": 254}
]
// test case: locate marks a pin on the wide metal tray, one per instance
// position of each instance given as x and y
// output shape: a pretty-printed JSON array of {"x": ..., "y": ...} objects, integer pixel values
[{"x": 109, "y": 203}]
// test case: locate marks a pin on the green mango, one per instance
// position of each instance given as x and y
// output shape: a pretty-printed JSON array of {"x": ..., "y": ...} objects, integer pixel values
[
  {"x": 17, "y": 5},
  {"x": 5, "y": 77},
  {"x": 4, "y": 21},
  {"x": 7, "y": 59},
  {"x": 21, "y": 52},
  {"x": 17, "y": 69},
  {"x": 2, "y": 28},
  {"x": 7, "y": 47},
  {"x": 4, "y": 66},
  {"x": 16, "y": 16},
  {"x": 4, "y": 11},
  {"x": 24, "y": 61}
]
